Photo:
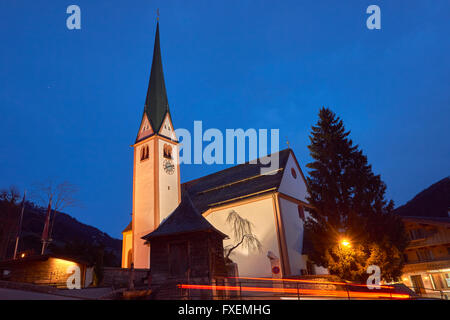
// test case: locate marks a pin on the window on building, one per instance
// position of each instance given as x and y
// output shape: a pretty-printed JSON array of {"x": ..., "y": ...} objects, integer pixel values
[
  {"x": 440, "y": 281},
  {"x": 144, "y": 152},
  {"x": 415, "y": 234},
  {"x": 294, "y": 174},
  {"x": 424, "y": 255},
  {"x": 167, "y": 151},
  {"x": 301, "y": 212}
]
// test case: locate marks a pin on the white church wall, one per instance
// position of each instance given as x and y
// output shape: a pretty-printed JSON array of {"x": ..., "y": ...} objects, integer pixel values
[
  {"x": 168, "y": 183},
  {"x": 144, "y": 199},
  {"x": 293, "y": 229},
  {"x": 303, "y": 262},
  {"x": 317, "y": 269},
  {"x": 261, "y": 214},
  {"x": 292, "y": 184}
]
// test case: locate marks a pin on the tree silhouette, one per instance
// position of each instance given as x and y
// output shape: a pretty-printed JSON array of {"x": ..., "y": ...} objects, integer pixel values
[
  {"x": 58, "y": 195},
  {"x": 349, "y": 202}
]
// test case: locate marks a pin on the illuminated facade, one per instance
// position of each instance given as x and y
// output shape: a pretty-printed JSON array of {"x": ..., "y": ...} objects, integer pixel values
[
  {"x": 49, "y": 270},
  {"x": 427, "y": 256},
  {"x": 274, "y": 203},
  {"x": 156, "y": 175}
]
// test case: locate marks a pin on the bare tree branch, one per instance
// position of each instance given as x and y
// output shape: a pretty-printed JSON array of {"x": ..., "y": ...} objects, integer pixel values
[
  {"x": 62, "y": 194},
  {"x": 59, "y": 196}
]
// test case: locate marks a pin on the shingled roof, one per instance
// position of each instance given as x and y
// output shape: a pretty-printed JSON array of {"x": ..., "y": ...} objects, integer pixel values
[
  {"x": 438, "y": 221},
  {"x": 184, "y": 219},
  {"x": 238, "y": 182},
  {"x": 235, "y": 183},
  {"x": 128, "y": 228}
]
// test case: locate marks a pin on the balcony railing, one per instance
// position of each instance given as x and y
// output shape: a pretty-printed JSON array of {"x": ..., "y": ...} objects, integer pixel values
[{"x": 432, "y": 264}]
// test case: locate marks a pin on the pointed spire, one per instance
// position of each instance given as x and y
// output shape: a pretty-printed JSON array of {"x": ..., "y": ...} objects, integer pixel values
[{"x": 156, "y": 103}]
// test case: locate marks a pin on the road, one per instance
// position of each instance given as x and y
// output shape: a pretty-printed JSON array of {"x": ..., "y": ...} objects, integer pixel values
[{"x": 12, "y": 294}]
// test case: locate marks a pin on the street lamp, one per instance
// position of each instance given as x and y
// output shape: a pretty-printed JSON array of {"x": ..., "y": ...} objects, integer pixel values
[{"x": 345, "y": 243}]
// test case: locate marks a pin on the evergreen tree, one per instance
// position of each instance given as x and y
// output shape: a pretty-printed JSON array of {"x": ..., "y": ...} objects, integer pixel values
[{"x": 349, "y": 201}]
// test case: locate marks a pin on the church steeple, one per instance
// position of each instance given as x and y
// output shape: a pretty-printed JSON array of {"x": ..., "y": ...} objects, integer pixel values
[
  {"x": 156, "y": 173},
  {"x": 156, "y": 103}
]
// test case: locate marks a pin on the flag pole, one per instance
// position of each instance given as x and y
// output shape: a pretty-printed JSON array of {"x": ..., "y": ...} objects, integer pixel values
[
  {"x": 19, "y": 230},
  {"x": 46, "y": 226}
]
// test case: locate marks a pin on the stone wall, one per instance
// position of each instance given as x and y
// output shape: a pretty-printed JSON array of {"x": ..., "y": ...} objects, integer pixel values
[
  {"x": 41, "y": 270},
  {"x": 120, "y": 277}
]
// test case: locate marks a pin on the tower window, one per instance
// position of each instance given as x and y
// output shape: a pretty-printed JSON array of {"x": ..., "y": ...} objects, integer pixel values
[
  {"x": 144, "y": 152},
  {"x": 294, "y": 174},
  {"x": 145, "y": 127},
  {"x": 167, "y": 151}
]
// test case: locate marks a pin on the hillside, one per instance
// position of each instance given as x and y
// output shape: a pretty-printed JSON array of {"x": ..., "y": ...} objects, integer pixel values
[
  {"x": 431, "y": 202},
  {"x": 70, "y": 237}
]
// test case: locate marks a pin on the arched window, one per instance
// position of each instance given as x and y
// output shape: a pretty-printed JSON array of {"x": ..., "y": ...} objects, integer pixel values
[
  {"x": 167, "y": 151},
  {"x": 129, "y": 258},
  {"x": 144, "y": 152},
  {"x": 294, "y": 174}
]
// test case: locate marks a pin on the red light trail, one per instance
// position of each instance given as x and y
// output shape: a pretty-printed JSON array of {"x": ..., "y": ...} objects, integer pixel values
[
  {"x": 309, "y": 281},
  {"x": 298, "y": 291}
]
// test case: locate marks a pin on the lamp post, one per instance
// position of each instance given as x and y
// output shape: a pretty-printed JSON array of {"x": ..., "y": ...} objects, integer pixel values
[{"x": 346, "y": 243}]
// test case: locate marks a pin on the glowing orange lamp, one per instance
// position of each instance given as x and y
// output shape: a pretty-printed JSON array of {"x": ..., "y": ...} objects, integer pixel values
[{"x": 345, "y": 243}]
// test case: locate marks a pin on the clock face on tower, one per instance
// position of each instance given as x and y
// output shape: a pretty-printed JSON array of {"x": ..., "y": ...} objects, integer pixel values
[{"x": 168, "y": 166}]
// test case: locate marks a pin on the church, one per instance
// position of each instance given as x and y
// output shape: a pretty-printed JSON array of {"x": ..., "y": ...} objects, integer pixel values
[{"x": 274, "y": 203}]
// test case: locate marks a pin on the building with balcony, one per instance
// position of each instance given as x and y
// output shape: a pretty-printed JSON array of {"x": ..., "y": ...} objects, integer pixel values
[{"x": 427, "y": 267}]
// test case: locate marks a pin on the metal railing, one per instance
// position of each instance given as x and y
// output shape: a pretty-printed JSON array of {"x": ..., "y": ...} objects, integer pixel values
[
  {"x": 234, "y": 289},
  {"x": 430, "y": 293}
]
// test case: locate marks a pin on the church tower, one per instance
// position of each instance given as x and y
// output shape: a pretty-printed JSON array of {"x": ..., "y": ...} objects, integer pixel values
[{"x": 156, "y": 173}]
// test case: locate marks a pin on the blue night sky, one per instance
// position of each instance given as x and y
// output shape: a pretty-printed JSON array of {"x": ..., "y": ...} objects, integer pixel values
[{"x": 71, "y": 100}]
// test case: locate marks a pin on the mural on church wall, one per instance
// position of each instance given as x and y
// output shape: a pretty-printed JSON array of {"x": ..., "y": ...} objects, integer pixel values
[{"x": 251, "y": 263}]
